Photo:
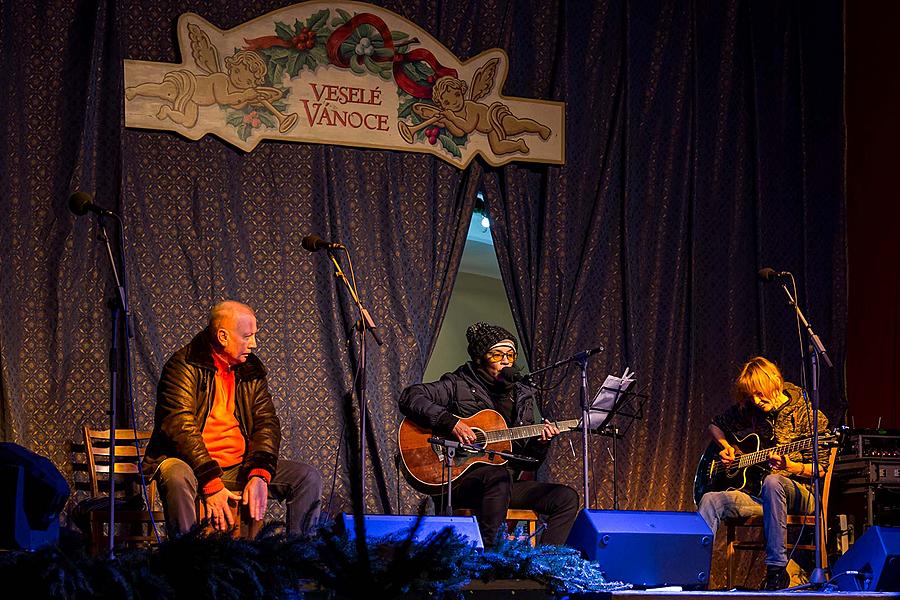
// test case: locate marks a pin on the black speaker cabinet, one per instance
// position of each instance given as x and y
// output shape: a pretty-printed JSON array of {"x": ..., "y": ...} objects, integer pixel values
[
  {"x": 646, "y": 548},
  {"x": 16, "y": 531},
  {"x": 872, "y": 564},
  {"x": 378, "y": 526}
]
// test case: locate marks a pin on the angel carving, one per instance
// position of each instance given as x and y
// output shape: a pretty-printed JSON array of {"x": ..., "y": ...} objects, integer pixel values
[
  {"x": 460, "y": 115},
  {"x": 238, "y": 86}
]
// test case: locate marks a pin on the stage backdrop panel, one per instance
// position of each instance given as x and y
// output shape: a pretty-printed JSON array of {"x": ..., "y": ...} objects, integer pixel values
[{"x": 704, "y": 141}]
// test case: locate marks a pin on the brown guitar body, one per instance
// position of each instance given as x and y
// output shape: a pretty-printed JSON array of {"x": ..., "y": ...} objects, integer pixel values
[{"x": 424, "y": 463}]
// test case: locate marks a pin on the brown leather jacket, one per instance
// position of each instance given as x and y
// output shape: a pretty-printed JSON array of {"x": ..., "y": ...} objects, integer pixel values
[{"x": 184, "y": 396}]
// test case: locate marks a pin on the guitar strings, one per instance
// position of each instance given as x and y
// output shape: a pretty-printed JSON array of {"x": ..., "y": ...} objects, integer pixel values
[{"x": 747, "y": 460}]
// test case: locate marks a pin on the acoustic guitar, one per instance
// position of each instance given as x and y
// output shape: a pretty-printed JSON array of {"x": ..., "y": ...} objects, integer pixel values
[
  {"x": 424, "y": 463},
  {"x": 750, "y": 466}
]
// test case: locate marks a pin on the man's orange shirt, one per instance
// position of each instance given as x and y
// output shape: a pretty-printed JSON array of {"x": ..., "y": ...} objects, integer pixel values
[{"x": 222, "y": 432}]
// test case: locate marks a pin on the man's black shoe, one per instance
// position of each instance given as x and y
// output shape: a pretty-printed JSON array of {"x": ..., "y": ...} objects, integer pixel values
[{"x": 777, "y": 578}]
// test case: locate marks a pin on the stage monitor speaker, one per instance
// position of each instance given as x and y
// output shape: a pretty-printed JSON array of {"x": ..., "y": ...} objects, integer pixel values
[
  {"x": 646, "y": 548},
  {"x": 872, "y": 564},
  {"x": 378, "y": 526},
  {"x": 32, "y": 494}
]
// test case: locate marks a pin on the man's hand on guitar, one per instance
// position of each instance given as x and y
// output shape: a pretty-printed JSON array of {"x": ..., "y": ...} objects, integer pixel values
[
  {"x": 727, "y": 455},
  {"x": 782, "y": 462},
  {"x": 548, "y": 431},
  {"x": 463, "y": 433}
]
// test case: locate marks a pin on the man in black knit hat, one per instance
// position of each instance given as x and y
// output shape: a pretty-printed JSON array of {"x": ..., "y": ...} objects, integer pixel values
[{"x": 489, "y": 490}]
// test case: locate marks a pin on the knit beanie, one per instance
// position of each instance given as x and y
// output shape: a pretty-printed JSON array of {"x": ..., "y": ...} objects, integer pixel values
[{"x": 482, "y": 336}]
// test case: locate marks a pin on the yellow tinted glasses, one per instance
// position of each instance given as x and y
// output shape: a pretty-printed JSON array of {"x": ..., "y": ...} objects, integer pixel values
[{"x": 496, "y": 356}]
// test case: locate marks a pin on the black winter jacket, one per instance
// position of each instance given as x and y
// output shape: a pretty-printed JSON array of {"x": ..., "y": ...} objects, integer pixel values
[
  {"x": 439, "y": 405},
  {"x": 184, "y": 397}
]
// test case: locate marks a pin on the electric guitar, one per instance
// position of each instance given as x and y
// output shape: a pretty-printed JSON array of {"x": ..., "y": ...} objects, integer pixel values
[
  {"x": 750, "y": 465},
  {"x": 424, "y": 463}
]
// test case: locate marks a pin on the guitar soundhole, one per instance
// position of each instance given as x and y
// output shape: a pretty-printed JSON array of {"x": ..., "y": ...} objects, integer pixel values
[{"x": 479, "y": 438}]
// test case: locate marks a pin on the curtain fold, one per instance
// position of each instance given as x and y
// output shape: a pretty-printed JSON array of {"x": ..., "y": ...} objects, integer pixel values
[
  {"x": 206, "y": 222},
  {"x": 706, "y": 142},
  {"x": 59, "y": 133}
]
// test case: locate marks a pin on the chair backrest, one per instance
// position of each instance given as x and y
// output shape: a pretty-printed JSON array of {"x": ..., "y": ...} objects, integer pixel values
[
  {"x": 826, "y": 483},
  {"x": 130, "y": 446}
]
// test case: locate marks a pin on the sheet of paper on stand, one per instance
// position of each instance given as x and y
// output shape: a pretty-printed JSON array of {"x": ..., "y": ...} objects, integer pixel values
[{"x": 612, "y": 389}]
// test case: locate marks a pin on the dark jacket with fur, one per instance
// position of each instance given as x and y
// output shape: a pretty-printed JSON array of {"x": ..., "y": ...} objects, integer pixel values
[{"x": 184, "y": 397}]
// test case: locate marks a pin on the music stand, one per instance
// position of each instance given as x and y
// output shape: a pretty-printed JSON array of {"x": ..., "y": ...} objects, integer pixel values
[{"x": 612, "y": 415}]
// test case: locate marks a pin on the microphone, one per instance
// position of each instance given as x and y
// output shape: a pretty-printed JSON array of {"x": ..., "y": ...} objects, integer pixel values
[
  {"x": 314, "y": 243},
  {"x": 586, "y": 353},
  {"x": 510, "y": 375},
  {"x": 768, "y": 274},
  {"x": 81, "y": 203}
]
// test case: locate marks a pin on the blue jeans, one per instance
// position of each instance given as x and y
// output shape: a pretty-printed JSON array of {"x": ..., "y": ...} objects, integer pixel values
[
  {"x": 299, "y": 485},
  {"x": 779, "y": 496}
]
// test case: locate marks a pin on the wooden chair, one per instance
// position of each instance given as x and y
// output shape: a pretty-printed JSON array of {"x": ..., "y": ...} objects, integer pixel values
[
  {"x": 513, "y": 517},
  {"x": 133, "y": 526},
  {"x": 734, "y": 544}
]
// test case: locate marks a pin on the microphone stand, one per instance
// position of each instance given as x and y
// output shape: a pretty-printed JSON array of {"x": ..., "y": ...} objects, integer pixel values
[
  {"x": 117, "y": 306},
  {"x": 582, "y": 359},
  {"x": 365, "y": 324},
  {"x": 612, "y": 432},
  {"x": 817, "y": 577},
  {"x": 451, "y": 447},
  {"x": 608, "y": 428}
]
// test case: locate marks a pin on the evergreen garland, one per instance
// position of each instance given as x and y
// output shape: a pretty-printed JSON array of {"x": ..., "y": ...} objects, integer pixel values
[{"x": 276, "y": 565}]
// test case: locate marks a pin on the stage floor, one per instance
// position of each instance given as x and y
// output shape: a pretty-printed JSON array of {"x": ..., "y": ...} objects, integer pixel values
[
  {"x": 525, "y": 589},
  {"x": 518, "y": 589}
]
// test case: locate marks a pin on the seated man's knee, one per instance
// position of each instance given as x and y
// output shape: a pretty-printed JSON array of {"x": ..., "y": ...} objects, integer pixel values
[
  {"x": 313, "y": 479},
  {"x": 707, "y": 501},
  {"x": 569, "y": 498},
  {"x": 175, "y": 476},
  {"x": 299, "y": 476},
  {"x": 772, "y": 485},
  {"x": 497, "y": 476}
]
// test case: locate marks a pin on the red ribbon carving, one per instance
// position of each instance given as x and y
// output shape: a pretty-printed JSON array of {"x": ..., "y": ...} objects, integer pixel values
[
  {"x": 272, "y": 41},
  {"x": 417, "y": 90}
]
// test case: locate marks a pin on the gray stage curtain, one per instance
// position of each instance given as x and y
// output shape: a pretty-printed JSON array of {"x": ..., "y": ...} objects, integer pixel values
[
  {"x": 707, "y": 142},
  {"x": 704, "y": 140}
]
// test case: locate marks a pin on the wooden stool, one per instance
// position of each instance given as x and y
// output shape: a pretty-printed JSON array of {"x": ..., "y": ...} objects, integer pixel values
[{"x": 513, "y": 516}]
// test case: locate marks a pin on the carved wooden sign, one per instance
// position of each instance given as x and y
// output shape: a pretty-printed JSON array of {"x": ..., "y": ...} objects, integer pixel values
[{"x": 343, "y": 73}]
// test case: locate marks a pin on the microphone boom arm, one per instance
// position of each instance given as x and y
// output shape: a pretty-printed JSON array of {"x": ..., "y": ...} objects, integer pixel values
[
  {"x": 367, "y": 322},
  {"x": 818, "y": 346}
]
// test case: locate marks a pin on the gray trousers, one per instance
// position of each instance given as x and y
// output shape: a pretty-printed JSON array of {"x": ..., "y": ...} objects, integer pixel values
[{"x": 297, "y": 484}]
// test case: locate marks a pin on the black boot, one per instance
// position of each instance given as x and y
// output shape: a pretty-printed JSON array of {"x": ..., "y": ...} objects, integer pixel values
[{"x": 777, "y": 578}]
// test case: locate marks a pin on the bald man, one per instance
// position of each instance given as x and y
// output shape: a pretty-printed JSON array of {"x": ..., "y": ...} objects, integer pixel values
[{"x": 216, "y": 433}]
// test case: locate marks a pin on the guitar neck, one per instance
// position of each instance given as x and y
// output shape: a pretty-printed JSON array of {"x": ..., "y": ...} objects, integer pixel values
[
  {"x": 754, "y": 458},
  {"x": 526, "y": 431}
]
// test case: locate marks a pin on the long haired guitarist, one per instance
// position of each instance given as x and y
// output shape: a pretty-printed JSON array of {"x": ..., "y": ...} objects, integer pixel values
[
  {"x": 768, "y": 412},
  {"x": 489, "y": 490}
]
